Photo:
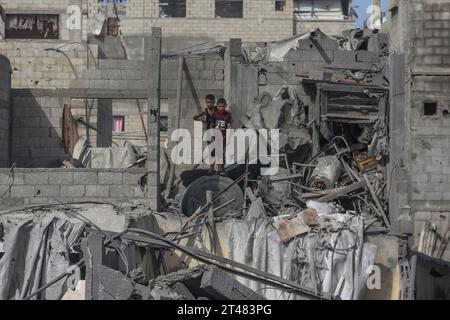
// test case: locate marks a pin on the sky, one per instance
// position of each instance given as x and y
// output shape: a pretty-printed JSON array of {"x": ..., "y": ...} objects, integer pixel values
[{"x": 361, "y": 7}]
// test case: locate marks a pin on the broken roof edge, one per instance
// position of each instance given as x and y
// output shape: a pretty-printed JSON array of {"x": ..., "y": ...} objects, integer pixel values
[{"x": 218, "y": 49}]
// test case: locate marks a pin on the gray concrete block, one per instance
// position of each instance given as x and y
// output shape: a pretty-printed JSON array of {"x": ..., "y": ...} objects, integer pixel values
[
  {"x": 344, "y": 56},
  {"x": 121, "y": 191},
  {"x": 50, "y": 102},
  {"x": 110, "y": 178},
  {"x": 133, "y": 75},
  {"x": 47, "y": 191},
  {"x": 22, "y": 191},
  {"x": 366, "y": 56},
  {"x": 50, "y": 122},
  {"x": 38, "y": 132},
  {"x": 118, "y": 84},
  {"x": 36, "y": 178},
  {"x": 112, "y": 74},
  {"x": 61, "y": 177},
  {"x": 98, "y": 84},
  {"x": 97, "y": 191},
  {"x": 50, "y": 142},
  {"x": 93, "y": 74},
  {"x": 85, "y": 178},
  {"x": 72, "y": 191},
  {"x": 132, "y": 178}
]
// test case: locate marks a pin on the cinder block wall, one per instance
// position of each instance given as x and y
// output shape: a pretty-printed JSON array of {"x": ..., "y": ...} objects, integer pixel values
[
  {"x": 330, "y": 27},
  {"x": 35, "y": 67},
  {"x": 36, "y": 132},
  {"x": 422, "y": 29},
  {"x": 260, "y": 21},
  {"x": 5, "y": 110},
  {"x": 46, "y": 186}
]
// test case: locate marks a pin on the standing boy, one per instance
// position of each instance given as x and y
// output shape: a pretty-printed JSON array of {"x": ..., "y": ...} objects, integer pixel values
[
  {"x": 206, "y": 115},
  {"x": 222, "y": 121}
]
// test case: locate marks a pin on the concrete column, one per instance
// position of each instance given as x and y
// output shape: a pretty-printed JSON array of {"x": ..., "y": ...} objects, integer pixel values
[
  {"x": 241, "y": 81},
  {"x": 398, "y": 174},
  {"x": 153, "y": 63}
]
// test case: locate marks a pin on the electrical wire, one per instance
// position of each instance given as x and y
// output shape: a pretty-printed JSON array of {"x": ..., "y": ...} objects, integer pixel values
[{"x": 12, "y": 182}]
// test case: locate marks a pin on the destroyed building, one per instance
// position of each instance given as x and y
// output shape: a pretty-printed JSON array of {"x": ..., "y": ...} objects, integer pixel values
[{"x": 88, "y": 180}]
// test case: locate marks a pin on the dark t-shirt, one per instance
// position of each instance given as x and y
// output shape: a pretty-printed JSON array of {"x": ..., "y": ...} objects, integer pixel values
[
  {"x": 209, "y": 117},
  {"x": 221, "y": 120}
]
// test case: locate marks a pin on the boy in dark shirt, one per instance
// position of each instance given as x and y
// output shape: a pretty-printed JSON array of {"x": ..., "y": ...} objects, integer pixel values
[
  {"x": 206, "y": 115},
  {"x": 222, "y": 121}
]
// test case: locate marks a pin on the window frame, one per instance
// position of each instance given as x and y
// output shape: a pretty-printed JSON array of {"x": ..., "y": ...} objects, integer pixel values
[
  {"x": 220, "y": 17},
  {"x": 15, "y": 14},
  {"x": 174, "y": 17},
  {"x": 283, "y": 6}
]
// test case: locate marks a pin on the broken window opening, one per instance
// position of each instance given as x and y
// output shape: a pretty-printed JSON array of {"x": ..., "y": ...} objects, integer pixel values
[
  {"x": 229, "y": 8},
  {"x": 32, "y": 26},
  {"x": 113, "y": 27},
  {"x": 164, "y": 122},
  {"x": 430, "y": 109},
  {"x": 325, "y": 9},
  {"x": 280, "y": 5},
  {"x": 115, "y": 8},
  {"x": 119, "y": 124},
  {"x": 172, "y": 8}
]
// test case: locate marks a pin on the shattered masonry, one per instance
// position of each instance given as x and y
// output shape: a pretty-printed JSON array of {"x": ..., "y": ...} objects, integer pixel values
[{"x": 88, "y": 192}]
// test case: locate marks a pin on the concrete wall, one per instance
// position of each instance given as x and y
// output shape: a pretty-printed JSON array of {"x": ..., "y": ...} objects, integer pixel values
[
  {"x": 422, "y": 29},
  {"x": 35, "y": 67},
  {"x": 36, "y": 131},
  {"x": 45, "y": 186},
  {"x": 330, "y": 27},
  {"x": 5, "y": 111},
  {"x": 260, "y": 20}
]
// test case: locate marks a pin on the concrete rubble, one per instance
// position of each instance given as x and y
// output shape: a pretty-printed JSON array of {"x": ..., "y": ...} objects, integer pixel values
[{"x": 313, "y": 231}]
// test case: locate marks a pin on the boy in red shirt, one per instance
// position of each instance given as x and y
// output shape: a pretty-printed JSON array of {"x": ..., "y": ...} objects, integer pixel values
[{"x": 222, "y": 120}]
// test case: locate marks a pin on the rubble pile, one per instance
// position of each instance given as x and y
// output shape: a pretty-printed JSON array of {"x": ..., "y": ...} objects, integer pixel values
[{"x": 313, "y": 230}]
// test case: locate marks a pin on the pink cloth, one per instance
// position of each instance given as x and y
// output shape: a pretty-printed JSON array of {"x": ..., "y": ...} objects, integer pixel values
[{"x": 118, "y": 124}]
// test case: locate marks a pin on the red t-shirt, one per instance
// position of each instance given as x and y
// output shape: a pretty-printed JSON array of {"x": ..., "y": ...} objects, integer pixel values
[{"x": 221, "y": 120}]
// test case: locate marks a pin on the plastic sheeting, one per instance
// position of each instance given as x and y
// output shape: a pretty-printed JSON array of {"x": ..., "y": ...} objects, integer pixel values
[
  {"x": 280, "y": 112},
  {"x": 256, "y": 243},
  {"x": 36, "y": 250},
  {"x": 105, "y": 158},
  {"x": 277, "y": 51}
]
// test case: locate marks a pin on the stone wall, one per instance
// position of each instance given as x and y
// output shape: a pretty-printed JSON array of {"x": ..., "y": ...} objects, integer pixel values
[
  {"x": 46, "y": 186},
  {"x": 5, "y": 111}
]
